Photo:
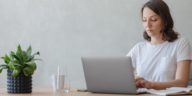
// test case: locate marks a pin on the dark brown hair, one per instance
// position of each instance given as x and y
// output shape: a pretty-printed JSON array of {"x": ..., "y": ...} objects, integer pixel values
[{"x": 162, "y": 9}]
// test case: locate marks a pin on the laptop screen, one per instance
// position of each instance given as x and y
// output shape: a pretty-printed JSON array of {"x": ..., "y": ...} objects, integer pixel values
[{"x": 110, "y": 74}]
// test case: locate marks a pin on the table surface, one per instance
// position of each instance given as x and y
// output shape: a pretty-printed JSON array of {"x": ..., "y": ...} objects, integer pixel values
[{"x": 46, "y": 91}]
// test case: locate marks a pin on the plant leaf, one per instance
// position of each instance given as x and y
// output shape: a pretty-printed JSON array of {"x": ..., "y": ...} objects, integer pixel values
[
  {"x": 15, "y": 72},
  {"x": 19, "y": 50},
  {"x": 11, "y": 66},
  {"x": 29, "y": 50},
  {"x": 32, "y": 65},
  {"x": 25, "y": 57},
  {"x": 18, "y": 66},
  {"x": 1, "y": 69},
  {"x": 11, "y": 55},
  {"x": 6, "y": 59},
  {"x": 28, "y": 71},
  {"x": 4, "y": 66},
  {"x": 37, "y": 59},
  {"x": 19, "y": 54},
  {"x": 32, "y": 57},
  {"x": 18, "y": 60}
]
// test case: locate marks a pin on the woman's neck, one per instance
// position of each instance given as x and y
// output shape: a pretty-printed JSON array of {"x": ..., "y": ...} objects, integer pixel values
[{"x": 157, "y": 40}]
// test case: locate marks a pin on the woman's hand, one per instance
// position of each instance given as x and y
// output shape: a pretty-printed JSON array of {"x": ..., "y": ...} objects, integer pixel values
[
  {"x": 138, "y": 80},
  {"x": 142, "y": 83}
]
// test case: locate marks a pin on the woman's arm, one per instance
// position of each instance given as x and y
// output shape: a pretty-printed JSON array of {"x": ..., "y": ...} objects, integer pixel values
[{"x": 181, "y": 78}]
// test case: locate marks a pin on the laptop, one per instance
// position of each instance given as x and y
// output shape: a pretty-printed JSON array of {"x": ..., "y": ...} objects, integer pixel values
[{"x": 109, "y": 74}]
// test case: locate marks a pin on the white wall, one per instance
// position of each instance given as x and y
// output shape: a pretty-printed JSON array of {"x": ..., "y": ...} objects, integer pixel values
[{"x": 65, "y": 30}]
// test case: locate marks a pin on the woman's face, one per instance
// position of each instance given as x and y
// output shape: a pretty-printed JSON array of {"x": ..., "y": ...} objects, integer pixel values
[{"x": 152, "y": 22}]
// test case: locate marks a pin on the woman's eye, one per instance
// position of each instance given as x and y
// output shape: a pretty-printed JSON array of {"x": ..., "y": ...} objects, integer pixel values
[{"x": 154, "y": 19}]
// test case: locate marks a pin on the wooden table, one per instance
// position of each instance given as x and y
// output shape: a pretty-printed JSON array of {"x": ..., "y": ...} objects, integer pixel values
[{"x": 48, "y": 92}]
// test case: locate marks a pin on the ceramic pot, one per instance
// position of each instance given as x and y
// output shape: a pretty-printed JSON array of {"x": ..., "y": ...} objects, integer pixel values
[{"x": 19, "y": 84}]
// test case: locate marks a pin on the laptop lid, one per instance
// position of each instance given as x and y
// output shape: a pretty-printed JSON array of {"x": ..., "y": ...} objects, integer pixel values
[{"x": 109, "y": 74}]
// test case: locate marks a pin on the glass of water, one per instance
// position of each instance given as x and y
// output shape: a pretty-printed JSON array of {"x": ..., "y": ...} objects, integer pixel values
[
  {"x": 67, "y": 81},
  {"x": 58, "y": 82}
]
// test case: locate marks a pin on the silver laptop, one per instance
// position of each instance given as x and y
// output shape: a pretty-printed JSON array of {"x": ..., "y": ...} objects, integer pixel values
[{"x": 109, "y": 74}]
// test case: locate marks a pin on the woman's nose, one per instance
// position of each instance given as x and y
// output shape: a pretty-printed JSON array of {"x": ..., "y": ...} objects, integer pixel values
[{"x": 148, "y": 24}]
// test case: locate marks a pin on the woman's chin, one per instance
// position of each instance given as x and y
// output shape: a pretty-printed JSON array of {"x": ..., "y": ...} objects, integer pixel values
[{"x": 150, "y": 34}]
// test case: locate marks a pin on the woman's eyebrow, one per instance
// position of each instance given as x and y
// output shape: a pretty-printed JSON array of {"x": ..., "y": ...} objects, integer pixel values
[{"x": 152, "y": 16}]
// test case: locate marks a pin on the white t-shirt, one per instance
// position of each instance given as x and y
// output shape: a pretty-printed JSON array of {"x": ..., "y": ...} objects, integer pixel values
[{"x": 159, "y": 62}]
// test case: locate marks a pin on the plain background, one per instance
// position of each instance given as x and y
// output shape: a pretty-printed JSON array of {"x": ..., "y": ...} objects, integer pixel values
[{"x": 65, "y": 30}]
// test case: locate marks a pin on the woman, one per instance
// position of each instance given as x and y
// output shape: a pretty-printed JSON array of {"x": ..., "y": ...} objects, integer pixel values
[{"x": 163, "y": 60}]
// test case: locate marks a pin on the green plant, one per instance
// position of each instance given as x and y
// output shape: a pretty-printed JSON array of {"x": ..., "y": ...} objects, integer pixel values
[{"x": 20, "y": 61}]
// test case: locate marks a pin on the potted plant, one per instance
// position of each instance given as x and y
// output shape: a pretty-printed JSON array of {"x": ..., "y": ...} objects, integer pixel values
[{"x": 20, "y": 67}]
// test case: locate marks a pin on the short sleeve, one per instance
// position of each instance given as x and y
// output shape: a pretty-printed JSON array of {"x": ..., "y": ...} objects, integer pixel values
[
  {"x": 184, "y": 50},
  {"x": 133, "y": 54}
]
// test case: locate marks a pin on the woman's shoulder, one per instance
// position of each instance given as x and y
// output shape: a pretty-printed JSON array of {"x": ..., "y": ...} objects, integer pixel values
[
  {"x": 135, "y": 49},
  {"x": 181, "y": 40},
  {"x": 141, "y": 44}
]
